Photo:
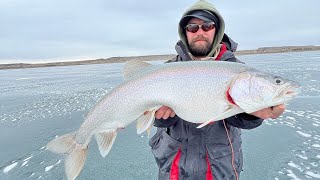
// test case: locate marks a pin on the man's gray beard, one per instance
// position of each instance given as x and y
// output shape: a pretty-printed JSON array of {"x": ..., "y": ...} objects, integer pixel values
[{"x": 201, "y": 50}]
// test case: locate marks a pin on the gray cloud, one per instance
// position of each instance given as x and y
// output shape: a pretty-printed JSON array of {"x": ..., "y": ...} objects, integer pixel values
[{"x": 44, "y": 29}]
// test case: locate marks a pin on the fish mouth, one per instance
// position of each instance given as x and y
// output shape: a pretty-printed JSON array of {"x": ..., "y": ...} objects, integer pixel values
[
  {"x": 291, "y": 93},
  {"x": 287, "y": 93},
  {"x": 292, "y": 90}
]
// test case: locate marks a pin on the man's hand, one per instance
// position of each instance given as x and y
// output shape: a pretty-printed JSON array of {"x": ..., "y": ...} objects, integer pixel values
[
  {"x": 272, "y": 112},
  {"x": 164, "y": 112}
]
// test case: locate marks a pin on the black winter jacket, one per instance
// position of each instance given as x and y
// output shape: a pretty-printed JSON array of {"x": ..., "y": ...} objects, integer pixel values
[{"x": 183, "y": 151}]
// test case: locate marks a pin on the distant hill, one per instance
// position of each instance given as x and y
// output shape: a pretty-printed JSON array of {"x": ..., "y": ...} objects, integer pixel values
[
  {"x": 262, "y": 50},
  {"x": 281, "y": 49}
]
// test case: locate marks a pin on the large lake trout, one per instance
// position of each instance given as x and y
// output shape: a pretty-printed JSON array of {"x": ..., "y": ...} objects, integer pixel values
[{"x": 198, "y": 92}]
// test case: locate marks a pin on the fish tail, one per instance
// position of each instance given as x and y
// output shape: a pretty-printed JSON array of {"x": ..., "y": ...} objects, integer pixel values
[{"x": 76, "y": 154}]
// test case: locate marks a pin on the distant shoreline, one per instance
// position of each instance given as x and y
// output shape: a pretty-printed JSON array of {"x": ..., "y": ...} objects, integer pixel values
[{"x": 263, "y": 50}]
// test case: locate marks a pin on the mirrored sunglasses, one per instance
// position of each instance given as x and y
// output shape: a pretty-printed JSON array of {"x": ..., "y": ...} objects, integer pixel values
[{"x": 193, "y": 28}]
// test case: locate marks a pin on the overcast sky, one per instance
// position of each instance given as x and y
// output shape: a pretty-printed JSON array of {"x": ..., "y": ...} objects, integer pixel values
[{"x": 55, "y": 30}]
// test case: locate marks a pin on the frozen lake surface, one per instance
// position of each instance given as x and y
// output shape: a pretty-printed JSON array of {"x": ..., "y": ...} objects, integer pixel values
[{"x": 38, "y": 104}]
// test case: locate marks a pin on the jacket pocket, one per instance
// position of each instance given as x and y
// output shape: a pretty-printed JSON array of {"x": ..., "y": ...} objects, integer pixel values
[
  {"x": 164, "y": 149},
  {"x": 220, "y": 157}
]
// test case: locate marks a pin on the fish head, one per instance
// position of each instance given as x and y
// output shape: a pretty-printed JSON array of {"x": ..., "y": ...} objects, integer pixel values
[{"x": 253, "y": 90}]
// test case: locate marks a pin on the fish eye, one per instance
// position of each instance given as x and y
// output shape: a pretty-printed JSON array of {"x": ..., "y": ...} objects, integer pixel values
[{"x": 278, "y": 81}]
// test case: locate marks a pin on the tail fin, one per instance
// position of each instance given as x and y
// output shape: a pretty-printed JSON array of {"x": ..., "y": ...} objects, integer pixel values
[{"x": 76, "y": 155}]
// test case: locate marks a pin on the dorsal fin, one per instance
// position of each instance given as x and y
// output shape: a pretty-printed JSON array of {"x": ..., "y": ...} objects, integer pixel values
[{"x": 134, "y": 66}]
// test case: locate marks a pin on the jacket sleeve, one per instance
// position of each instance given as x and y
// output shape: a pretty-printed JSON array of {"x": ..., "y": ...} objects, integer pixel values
[
  {"x": 244, "y": 121},
  {"x": 165, "y": 123}
]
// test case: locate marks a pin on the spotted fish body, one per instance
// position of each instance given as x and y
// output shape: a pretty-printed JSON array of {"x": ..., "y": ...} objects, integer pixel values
[{"x": 198, "y": 92}]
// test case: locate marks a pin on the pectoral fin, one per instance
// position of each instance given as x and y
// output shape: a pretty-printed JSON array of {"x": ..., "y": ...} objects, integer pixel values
[
  {"x": 145, "y": 121},
  {"x": 228, "y": 113},
  {"x": 105, "y": 141},
  {"x": 149, "y": 130}
]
